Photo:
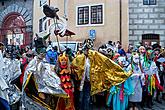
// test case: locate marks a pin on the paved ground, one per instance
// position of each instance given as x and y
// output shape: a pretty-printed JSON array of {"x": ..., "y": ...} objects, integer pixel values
[{"x": 156, "y": 106}]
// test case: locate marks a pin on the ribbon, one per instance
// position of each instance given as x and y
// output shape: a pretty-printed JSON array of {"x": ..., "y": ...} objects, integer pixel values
[{"x": 122, "y": 92}]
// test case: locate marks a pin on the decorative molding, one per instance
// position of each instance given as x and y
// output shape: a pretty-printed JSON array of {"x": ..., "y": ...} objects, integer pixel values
[{"x": 17, "y": 9}]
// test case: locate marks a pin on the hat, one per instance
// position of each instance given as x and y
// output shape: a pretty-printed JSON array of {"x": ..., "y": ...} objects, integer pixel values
[
  {"x": 40, "y": 44},
  {"x": 156, "y": 46},
  {"x": 122, "y": 52}
]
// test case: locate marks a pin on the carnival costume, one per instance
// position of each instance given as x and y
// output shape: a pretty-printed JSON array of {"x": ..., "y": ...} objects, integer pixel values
[
  {"x": 41, "y": 84},
  {"x": 66, "y": 83},
  {"x": 137, "y": 80},
  {"x": 51, "y": 56},
  {"x": 98, "y": 70},
  {"x": 118, "y": 95},
  {"x": 152, "y": 81},
  {"x": 9, "y": 71}
]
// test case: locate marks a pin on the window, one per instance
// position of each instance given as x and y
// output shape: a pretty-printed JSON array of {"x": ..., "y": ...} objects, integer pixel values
[
  {"x": 83, "y": 15},
  {"x": 96, "y": 14},
  {"x": 149, "y": 2},
  {"x": 41, "y": 28},
  {"x": 90, "y": 15},
  {"x": 3, "y": 3},
  {"x": 42, "y": 2}
]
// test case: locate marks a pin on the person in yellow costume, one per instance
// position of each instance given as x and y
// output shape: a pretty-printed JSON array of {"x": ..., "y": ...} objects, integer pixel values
[{"x": 96, "y": 73}]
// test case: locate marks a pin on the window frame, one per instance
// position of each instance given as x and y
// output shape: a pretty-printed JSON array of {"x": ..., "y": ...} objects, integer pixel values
[
  {"x": 40, "y": 25},
  {"x": 149, "y": 2},
  {"x": 41, "y": 28},
  {"x": 90, "y": 24},
  {"x": 84, "y": 18},
  {"x": 96, "y": 14},
  {"x": 41, "y": 4}
]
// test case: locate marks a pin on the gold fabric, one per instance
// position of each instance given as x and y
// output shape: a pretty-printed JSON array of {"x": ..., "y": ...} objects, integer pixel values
[{"x": 103, "y": 72}]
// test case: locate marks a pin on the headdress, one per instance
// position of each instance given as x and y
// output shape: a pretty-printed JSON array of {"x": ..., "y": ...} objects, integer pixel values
[
  {"x": 63, "y": 60},
  {"x": 122, "y": 59},
  {"x": 40, "y": 43},
  {"x": 142, "y": 49},
  {"x": 88, "y": 44}
]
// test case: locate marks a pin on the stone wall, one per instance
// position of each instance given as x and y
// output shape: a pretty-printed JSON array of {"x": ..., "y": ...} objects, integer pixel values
[
  {"x": 144, "y": 19},
  {"x": 24, "y": 7}
]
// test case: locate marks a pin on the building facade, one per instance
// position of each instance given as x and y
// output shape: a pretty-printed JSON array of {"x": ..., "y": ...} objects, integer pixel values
[
  {"x": 104, "y": 20},
  {"x": 147, "y": 21},
  {"x": 16, "y": 22}
]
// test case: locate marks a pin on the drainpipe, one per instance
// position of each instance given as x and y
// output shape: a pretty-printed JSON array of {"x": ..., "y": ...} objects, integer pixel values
[
  {"x": 66, "y": 9},
  {"x": 120, "y": 38},
  {"x": 49, "y": 21}
]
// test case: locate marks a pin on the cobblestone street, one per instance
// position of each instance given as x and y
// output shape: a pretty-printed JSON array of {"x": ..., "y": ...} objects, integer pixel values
[{"x": 156, "y": 106}]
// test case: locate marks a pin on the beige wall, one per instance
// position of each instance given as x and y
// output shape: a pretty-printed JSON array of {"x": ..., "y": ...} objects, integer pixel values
[{"x": 109, "y": 31}]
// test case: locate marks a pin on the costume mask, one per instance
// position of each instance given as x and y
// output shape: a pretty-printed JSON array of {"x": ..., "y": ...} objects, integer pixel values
[
  {"x": 136, "y": 58},
  {"x": 142, "y": 50},
  {"x": 63, "y": 61},
  {"x": 110, "y": 53},
  {"x": 122, "y": 61},
  {"x": 88, "y": 44}
]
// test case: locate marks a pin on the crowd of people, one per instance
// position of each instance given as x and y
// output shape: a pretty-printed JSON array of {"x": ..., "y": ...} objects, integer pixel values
[
  {"x": 109, "y": 77},
  {"x": 147, "y": 64}
]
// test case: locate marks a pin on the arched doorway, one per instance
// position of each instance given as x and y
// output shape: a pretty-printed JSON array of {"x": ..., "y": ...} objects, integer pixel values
[{"x": 14, "y": 30}]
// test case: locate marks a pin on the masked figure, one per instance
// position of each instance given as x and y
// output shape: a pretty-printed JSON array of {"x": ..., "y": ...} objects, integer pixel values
[
  {"x": 52, "y": 55},
  {"x": 152, "y": 78},
  {"x": 142, "y": 52},
  {"x": 41, "y": 83},
  {"x": 118, "y": 95},
  {"x": 137, "y": 80},
  {"x": 96, "y": 73},
  {"x": 66, "y": 82},
  {"x": 9, "y": 72}
]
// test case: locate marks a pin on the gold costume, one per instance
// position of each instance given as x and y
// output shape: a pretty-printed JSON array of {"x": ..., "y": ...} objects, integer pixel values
[{"x": 103, "y": 72}]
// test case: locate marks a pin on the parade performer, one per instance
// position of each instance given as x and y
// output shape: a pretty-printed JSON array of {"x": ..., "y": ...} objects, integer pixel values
[
  {"x": 161, "y": 62},
  {"x": 137, "y": 80},
  {"x": 52, "y": 55},
  {"x": 96, "y": 73},
  {"x": 107, "y": 50},
  {"x": 64, "y": 73},
  {"x": 152, "y": 78},
  {"x": 9, "y": 71},
  {"x": 118, "y": 95},
  {"x": 41, "y": 83},
  {"x": 4, "y": 100},
  {"x": 142, "y": 52}
]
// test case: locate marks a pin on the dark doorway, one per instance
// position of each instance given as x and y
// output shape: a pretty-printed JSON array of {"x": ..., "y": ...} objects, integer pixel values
[{"x": 150, "y": 39}]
